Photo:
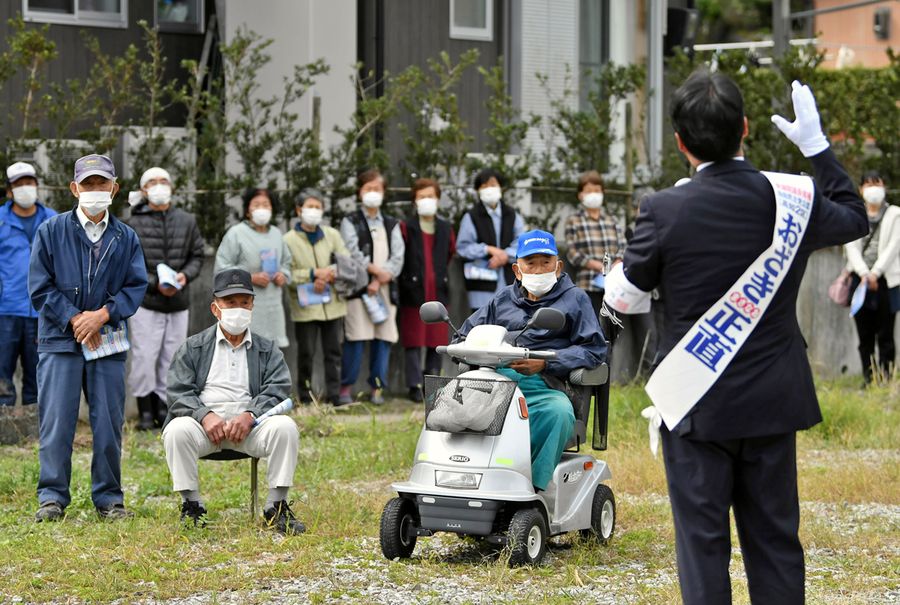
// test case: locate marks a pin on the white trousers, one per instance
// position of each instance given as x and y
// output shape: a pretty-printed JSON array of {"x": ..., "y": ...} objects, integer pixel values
[
  {"x": 154, "y": 339},
  {"x": 276, "y": 438}
]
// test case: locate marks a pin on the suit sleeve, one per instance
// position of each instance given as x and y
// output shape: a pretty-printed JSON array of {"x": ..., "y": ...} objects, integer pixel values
[
  {"x": 275, "y": 385},
  {"x": 45, "y": 296},
  {"x": 127, "y": 300},
  {"x": 838, "y": 215},
  {"x": 642, "y": 263}
]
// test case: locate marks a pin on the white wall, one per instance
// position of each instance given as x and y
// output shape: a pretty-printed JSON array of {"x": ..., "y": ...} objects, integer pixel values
[{"x": 303, "y": 31}]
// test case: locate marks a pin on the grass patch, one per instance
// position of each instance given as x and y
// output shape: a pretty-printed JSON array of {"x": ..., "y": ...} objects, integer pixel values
[{"x": 848, "y": 483}]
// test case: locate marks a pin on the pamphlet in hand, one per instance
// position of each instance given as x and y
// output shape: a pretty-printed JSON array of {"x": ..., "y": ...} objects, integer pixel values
[
  {"x": 113, "y": 339},
  {"x": 269, "y": 261},
  {"x": 859, "y": 297},
  {"x": 599, "y": 281},
  {"x": 167, "y": 276},
  {"x": 478, "y": 269},
  {"x": 307, "y": 295}
]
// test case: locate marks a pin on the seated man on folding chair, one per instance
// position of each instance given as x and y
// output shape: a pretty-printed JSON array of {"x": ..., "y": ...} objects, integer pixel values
[{"x": 220, "y": 381}]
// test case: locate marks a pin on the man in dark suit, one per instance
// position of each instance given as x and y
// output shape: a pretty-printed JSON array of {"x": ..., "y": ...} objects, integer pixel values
[{"x": 736, "y": 447}]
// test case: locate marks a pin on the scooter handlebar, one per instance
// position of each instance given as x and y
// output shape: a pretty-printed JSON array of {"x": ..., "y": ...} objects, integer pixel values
[{"x": 541, "y": 355}]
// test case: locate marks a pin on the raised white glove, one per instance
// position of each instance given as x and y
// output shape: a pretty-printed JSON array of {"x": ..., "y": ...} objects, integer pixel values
[{"x": 806, "y": 130}]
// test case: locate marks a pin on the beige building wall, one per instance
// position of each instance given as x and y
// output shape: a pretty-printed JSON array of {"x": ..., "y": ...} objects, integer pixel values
[{"x": 848, "y": 36}]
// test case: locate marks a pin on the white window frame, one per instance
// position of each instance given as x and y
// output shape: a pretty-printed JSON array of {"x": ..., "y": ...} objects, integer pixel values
[
  {"x": 485, "y": 34},
  {"x": 171, "y": 27},
  {"x": 79, "y": 17}
]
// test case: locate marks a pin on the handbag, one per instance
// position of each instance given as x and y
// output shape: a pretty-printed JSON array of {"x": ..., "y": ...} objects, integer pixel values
[{"x": 839, "y": 290}]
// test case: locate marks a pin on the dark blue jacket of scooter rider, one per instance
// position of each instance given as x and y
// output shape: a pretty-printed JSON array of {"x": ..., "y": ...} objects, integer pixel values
[
  {"x": 579, "y": 344},
  {"x": 64, "y": 279}
]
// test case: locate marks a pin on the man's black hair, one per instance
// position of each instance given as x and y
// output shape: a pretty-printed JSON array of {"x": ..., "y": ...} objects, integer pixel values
[
  {"x": 708, "y": 114},
  {"x": 870, "y": 176},
  {"x": 485, "y": 175}
]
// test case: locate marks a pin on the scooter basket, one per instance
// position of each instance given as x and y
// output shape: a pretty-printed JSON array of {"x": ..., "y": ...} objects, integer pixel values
[{"x": 467, "y": 405}]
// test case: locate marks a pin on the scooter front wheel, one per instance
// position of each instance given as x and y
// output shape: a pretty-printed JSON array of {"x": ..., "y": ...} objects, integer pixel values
[
  {"x": 397, "y": 521},
  {"x": 527, "y": 538}
]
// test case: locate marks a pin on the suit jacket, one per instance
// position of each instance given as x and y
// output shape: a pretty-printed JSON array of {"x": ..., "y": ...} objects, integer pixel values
[
  {"x": 694, "y": 241},
  {"x": 270, "y": 379}
]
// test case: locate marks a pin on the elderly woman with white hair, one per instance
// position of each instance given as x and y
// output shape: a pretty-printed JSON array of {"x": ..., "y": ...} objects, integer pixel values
[{"x": 173, "y": 252}]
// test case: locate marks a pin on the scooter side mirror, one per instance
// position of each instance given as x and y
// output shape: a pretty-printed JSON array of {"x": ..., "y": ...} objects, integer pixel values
[
  {"x": 434, "y": 312},
  {"x": 547, "y": 318}
]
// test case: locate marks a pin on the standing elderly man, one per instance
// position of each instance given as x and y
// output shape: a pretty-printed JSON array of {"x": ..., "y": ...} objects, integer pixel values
[
  {"x": 728, "y": 251},
  {"x": 19, "y": 221},
  {"x": 220, "y": 382},
  {"x": 86, "y": 278},
  {"x": 540, "y": 283},
  {"x": 169, "y": 236}
]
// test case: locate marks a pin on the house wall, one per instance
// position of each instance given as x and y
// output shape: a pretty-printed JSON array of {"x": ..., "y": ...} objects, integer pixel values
[{"x": 854, "y": 30}]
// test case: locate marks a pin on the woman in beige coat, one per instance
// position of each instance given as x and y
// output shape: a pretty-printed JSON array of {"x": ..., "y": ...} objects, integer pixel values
[
  {"x": 373, "y": 238},
  {"x": 316, "y": 310}
]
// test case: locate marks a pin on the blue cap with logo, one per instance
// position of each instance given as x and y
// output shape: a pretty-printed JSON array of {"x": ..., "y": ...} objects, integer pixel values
[
  {"x": 536, "y": 242},
  {"x": 94, "y": 164}
]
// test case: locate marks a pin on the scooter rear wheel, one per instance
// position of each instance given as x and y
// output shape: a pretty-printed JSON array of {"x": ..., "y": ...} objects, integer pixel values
[
  {"x": 603, "y": 515},
  {"x": 527, "y": 538},
  {"x": 398, "y": 518}
]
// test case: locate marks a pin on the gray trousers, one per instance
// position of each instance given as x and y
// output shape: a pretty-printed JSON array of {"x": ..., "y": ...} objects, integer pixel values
[{"x": 154, "y": 337}]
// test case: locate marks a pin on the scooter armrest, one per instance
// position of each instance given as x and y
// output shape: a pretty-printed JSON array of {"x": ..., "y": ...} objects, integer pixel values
[{"x": 590, "y": 377}]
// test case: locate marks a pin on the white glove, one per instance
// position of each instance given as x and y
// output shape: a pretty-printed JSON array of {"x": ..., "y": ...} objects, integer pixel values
[{"x": 806, "y": 130}]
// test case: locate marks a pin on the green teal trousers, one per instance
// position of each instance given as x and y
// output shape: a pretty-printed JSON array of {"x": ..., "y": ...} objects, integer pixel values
[{"x": 551, "y": 420}]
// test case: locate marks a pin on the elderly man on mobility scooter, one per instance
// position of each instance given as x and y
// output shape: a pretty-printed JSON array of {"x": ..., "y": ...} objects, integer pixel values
[{"x": 535, "y": 344}]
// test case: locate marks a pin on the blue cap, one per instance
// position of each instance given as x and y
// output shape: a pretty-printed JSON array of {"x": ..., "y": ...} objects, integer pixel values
[
  {"x": 536, "y": 242},
  {"x": 90, "y": 165}
]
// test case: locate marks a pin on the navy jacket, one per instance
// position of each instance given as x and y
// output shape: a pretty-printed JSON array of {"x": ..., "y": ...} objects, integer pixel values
[
  {"x": 58, "y": 277},
  {"x": 14, "y": 252},
  {"x": 694, "y": 241},
  {"x": 580, "y": 344}
]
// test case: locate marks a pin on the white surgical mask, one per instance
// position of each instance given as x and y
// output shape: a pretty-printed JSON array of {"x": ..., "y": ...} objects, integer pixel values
[
  {"x": 94, "y": 202},
  {"x": 539, "y": 283},
  {"x": 261, "y": 216},
  {"x": 234, "y": 321},
  {"x": 427, "y": 206},
  {"x": 873, "y": 195},
  {"x": 25, "y": 196},
  {"x": 592, "y": 200},
  {"x": 159, "y": 195},
  {"x": 490, "y": 195},
  {"x": 372, "y": 199},
  {"x": 311, "y": 216}
]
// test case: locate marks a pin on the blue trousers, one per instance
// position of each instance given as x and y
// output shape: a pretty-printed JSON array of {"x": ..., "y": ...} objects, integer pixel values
[
  {"x": 379, "y": 354},
  {"x": 18, "y": 340},
  {"x": 61, "y": 379},
  {"x": 551, "y": 420}
]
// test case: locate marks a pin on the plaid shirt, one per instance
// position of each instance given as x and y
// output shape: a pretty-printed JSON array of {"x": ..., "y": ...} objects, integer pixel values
[{"x": 590, "y": 239}]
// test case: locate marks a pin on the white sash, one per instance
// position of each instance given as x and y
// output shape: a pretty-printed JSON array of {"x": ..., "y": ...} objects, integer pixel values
[{"x": 701, "y": 356}]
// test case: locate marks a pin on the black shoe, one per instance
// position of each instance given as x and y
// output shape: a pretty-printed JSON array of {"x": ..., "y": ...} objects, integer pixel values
[
  {"x": 145, "y": 410},
  {"x": 415, "y": 394},
  {"x": 114, "y": 512},
  {"x": 191, "y": 509},
  {"x": 160, "y": 410},
  {"x": 281, "y": 518},
  {"x": 50, "y": 511}
]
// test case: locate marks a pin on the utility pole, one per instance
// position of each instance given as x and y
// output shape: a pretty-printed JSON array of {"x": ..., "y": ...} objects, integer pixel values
[{"x": 781, "y": 26}]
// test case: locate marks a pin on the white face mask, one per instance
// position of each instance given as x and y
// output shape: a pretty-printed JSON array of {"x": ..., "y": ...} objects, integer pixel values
[
  {"x": 490, "y": 195},
  {"x": 372, "y": 199},
  {"x": 539, "y": 283},
  {"x": 261, "y": 216},
  {"x": 234, "y": 321},
  {"x": 94, "y": 202},
  {"x": 25, "y": 196},
  {"x": 427, "y": 206},
  {"x": 592, "y": 200},
  {"x": 311, "y": 216},
  {"x": 159, "y": 195},
  {"x": 874, "y": 195}
]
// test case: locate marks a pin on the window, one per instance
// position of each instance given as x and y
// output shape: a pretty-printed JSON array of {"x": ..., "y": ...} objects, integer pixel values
[
  {"x": 593, "y": 44},
  {"x": 97, "y": 13},
  {"x": 472, "y": 20},
  {"x": 179, "y": 16}
]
